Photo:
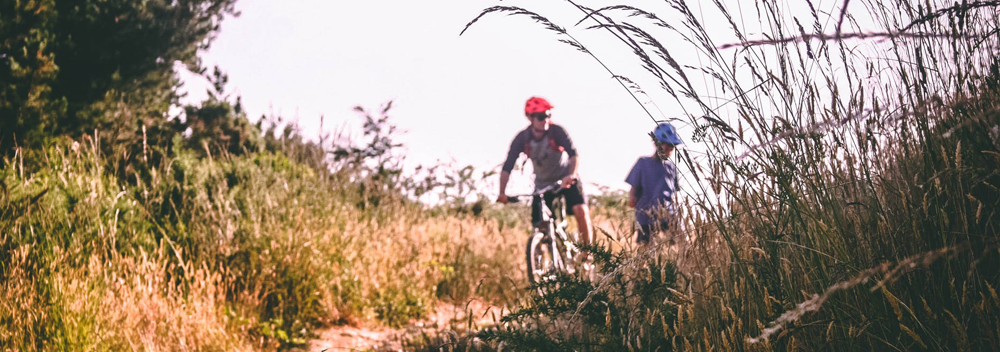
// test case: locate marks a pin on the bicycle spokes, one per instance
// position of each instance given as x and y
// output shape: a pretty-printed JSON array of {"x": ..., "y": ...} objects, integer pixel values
[{"x": 542, "y": 260}]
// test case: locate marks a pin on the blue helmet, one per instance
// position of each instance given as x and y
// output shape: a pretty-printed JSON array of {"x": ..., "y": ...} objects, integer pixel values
[{"x": 666, "y": 133}]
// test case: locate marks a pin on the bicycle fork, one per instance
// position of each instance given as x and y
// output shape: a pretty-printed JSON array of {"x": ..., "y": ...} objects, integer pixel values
[{"x": 555, "y": 248}]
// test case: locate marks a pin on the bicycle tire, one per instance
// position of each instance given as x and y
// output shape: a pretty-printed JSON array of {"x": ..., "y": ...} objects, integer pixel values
[{"x": 540, "y": 258}]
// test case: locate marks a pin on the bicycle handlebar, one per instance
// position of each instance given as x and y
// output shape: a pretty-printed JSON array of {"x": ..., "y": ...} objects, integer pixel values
[{"x": 517, "y": 197}]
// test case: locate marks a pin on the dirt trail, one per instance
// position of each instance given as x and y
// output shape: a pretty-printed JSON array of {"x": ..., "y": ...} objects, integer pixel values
[{"x": 446, "y": 317}]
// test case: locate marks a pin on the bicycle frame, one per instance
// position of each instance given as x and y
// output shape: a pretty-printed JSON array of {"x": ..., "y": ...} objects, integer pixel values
[
  {"x": 555, "y": 232},
  {"x": 552, "y": 227}
]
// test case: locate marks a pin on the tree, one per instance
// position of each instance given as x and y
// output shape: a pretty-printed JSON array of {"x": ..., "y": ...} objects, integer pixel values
[
  {"x": 27, "y": 70},
  {"x": 218, "y": 126},
  {"x": 76, "y": 66}
]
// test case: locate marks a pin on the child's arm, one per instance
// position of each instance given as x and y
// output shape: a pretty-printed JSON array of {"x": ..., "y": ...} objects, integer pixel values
[
  {"x": 632, "y": 197},
  {"x": 634, "y": 180}
]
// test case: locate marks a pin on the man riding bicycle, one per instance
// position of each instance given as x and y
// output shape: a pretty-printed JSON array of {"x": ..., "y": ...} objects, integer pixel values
[{"x": 553, "y": 159}]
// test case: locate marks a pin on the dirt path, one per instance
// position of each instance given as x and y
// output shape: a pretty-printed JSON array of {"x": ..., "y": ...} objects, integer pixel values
[{"x": 446, "y": 317}]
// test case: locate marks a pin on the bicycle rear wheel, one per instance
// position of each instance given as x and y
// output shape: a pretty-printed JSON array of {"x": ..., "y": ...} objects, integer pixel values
[{"x": 541, "y": 260}]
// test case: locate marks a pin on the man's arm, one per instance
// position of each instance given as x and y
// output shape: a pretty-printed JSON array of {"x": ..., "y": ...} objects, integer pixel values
[
  {"x": 504, "y": 177},
  {"x": 569, "y": 178},
  {"x": 516, "y": 148}
]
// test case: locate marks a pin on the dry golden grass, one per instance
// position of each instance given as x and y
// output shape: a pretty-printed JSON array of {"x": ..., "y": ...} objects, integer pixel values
[
  {"x": 846, "y": 198},
  {"x": 250, "y": 253}
]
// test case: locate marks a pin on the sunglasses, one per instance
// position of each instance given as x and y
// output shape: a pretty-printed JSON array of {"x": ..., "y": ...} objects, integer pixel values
[{"x": 540, "y": 116}]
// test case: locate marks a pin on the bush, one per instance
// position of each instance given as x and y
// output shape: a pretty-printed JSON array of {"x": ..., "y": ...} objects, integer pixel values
[{"x": 632, "y": 307}]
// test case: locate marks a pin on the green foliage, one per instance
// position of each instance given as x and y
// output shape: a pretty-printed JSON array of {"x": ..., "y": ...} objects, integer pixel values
[
  {"x": 28, "y": 109},
  {"x": 219, "y": 127},
  {"x": 72, "y": 67},
  {"x": 123, "y": 53},
  {"x": 630, "y": 308},
  {"x": 274, "y": 329}
]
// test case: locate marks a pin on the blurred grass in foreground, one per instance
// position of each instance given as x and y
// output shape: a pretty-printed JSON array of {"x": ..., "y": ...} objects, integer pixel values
[{"x": 848, "y": 199}]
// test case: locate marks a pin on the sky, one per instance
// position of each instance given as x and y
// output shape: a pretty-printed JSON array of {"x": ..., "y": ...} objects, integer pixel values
[{"x": 459, "y": 99}]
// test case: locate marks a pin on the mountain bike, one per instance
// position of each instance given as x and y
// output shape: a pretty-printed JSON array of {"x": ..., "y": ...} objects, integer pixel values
[{"x": 551, "y": 249}]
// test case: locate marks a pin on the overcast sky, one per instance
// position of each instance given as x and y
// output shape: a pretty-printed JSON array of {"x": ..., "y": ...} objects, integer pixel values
[{"x": 460, "y": 98}]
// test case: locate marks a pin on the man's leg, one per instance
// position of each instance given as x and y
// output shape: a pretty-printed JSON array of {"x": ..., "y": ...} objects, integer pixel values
[
  {"x": 576, "y": 200},
  {"x": 582, "y": 214},
  {"x": 536, "y": 211}
]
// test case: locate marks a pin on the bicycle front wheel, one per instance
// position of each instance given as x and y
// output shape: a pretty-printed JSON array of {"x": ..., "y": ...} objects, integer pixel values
[
  {"x": 573, "y": 262},
  {"x": 541, "y": 260}
]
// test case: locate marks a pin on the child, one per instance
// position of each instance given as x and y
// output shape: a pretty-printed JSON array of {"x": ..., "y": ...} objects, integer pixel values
[{"x": 654, "y": 183}]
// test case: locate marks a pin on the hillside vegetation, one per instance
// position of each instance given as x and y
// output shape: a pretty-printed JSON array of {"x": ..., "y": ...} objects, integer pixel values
[
  {"x": 123, "y": 227},
  {"x": 848, "y": 196}
]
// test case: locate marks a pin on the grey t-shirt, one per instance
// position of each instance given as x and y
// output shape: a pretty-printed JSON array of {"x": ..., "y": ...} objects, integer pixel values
[{"x": 549, "y": 154}]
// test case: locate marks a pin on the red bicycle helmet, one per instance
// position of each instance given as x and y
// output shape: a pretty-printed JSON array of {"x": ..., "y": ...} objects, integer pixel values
[{"x": 536, "y": 104}]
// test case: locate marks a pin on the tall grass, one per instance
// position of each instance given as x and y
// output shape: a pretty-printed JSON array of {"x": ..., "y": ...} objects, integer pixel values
[
  {"x": 848, "y": 196},
  {"x": 193, "y": 251}
]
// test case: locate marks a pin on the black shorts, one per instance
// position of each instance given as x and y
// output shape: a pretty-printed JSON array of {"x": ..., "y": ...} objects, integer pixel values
[
  {"x": 646, "y": 231},
  {"x": 573, "y": 196}
]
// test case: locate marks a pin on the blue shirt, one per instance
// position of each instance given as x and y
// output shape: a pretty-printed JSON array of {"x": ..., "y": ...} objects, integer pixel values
[{"x": 655, "y": 184}]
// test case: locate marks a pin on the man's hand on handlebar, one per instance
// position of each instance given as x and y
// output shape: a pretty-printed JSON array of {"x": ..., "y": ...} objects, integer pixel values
[
  {"x": 568, "y": 181},
  {"x": 551, "y": 188}
]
